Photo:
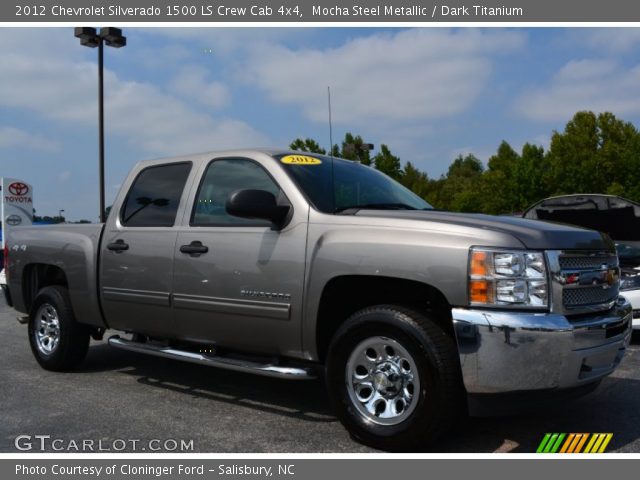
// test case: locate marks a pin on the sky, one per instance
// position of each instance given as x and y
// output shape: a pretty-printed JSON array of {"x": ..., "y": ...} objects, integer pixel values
[{"x": 430, "y": 94}]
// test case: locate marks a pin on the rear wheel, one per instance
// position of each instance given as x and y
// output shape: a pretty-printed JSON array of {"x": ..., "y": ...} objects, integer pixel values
[
  {"x": 57, "y": 341},
  {"x": 393, "y": 375}
]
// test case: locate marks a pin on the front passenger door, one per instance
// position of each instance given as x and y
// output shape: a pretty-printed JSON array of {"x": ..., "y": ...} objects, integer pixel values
[{"x": 245, "y": 291}]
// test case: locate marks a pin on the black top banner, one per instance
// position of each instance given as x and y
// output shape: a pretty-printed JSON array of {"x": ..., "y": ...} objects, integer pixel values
[{"x": 324, "y": 11}]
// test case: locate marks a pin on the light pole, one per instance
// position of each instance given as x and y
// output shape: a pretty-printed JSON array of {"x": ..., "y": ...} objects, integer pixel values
[
  {"x": 60, "y": 214},
  {"x": 358, "y": 148},
  {"x": 90, "y": 38}
]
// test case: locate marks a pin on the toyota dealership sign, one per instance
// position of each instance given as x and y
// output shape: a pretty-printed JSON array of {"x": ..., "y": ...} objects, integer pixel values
[{"x": 16, "y": 207}]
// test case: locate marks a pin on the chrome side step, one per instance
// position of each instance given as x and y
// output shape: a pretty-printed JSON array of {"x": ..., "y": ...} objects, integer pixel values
[{"x": 268, "y": 370}]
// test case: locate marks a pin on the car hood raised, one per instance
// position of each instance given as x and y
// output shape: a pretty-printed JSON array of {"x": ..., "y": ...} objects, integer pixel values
[{"x": 533, "y": 234}]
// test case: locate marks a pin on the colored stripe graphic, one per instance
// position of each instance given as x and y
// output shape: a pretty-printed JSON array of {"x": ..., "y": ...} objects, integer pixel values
[
  {"x": 583, "y": 440},
  {"x": 574, "y": 443},
  {"x": 604, "y": 445}
]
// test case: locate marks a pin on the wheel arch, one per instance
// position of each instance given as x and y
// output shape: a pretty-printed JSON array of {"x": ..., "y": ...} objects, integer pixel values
[
  {"x": 344, "y": 295},
  {"x": 36, "y": 276}
]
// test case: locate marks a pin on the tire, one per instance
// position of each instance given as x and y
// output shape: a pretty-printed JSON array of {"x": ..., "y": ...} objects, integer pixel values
[
  {"x": 415, "y": 392},
  {"x": 58, "y": 342}
]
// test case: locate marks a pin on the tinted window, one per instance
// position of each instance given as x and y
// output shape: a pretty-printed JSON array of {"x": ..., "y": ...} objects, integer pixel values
[
  {"x": 335, "y": 184},
  {"x": 222, "y": 178},
  {"x": 154, "y": 196}
]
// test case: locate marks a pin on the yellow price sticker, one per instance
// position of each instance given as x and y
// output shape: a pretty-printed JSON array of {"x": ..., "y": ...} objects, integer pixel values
[{"x": 300, "y": 160}]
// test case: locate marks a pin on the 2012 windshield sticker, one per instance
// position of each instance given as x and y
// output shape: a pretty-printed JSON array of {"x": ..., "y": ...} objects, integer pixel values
[{"x": 300, "y": 160}]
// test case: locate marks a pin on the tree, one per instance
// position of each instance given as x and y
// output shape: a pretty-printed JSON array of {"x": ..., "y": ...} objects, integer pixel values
[
  {"x": 593, "y": 152},
  {"x": 459, "y": 190},
  {"x": 499, "y": 183},
  {"x": 307, "y": 145},
  {"x": 415, "y": 180},
  {"x": 387, "y": 163},
  {"x": 530, "y": 176},
  {"x": 352, "y": 149}
]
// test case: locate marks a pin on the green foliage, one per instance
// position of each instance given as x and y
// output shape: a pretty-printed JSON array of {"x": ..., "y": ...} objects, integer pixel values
[
  {"x": 388, "y": 163},
  {"x": 352, "y": 149},
  {"x": 307, "y": 145},
  {"x": 594, "y": 154}
]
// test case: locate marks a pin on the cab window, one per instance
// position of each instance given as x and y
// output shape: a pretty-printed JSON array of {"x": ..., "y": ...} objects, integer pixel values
[
  {"x": 154, "y": 197},
  {"x": 222, "y": 178}
]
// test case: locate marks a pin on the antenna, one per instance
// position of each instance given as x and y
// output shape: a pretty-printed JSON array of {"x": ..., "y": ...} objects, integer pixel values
[
  {"x": 333, "y": 177},
  {"x": 330, "y": 127}
]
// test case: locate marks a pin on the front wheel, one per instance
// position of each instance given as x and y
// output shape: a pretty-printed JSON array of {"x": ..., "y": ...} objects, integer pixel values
[
  {"x": 393, "y": 376},
  {"x": 57, "y": 341}
]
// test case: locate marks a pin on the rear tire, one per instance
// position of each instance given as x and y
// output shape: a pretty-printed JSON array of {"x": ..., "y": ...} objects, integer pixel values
[
  {"x": 393, "y": 376},
  {"x": 58, "y": 342}
]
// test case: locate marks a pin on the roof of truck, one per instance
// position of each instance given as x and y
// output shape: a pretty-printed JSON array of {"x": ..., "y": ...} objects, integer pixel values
[{"x": 206, "y": 156}]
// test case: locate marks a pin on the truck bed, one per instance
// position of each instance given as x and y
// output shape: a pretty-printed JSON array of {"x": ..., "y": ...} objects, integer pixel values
[{"x": 73, "y": 249}]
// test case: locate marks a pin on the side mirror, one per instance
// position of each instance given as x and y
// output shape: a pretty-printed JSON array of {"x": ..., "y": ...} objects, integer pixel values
[{"x": 258, "y": 204}]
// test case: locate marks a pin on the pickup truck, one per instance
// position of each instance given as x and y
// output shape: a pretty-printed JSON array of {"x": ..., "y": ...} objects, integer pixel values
[{"x": 296, "y": 265}]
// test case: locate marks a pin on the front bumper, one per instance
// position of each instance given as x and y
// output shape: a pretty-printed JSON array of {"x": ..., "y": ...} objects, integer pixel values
[{"x": 504, "y": 352}]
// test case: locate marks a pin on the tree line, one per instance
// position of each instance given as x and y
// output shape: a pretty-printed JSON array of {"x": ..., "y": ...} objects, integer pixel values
[{"x": 595, "y": 153}]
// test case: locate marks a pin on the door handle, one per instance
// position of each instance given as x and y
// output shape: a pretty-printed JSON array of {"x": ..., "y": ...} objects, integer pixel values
[
  {"x": 195, "y": 248},
  {"x": 118, "y": 246}
]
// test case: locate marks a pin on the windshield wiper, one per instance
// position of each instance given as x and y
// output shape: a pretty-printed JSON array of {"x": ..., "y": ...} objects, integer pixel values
[{"x": 376, "y": 206}]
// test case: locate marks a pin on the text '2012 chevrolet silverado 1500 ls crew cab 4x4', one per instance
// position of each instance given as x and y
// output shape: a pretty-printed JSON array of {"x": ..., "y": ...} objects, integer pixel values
[{"x": 293, "y": 265}]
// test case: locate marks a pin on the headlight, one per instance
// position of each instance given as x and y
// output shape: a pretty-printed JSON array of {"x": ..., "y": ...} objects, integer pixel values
[
  {"x": 503, "y": 278},
  {"x": 630, "y": 279}
]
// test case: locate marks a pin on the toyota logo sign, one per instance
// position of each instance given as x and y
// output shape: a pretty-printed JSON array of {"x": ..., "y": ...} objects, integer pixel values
[
  {"x": 18, "y": 188},
  {"x": 14, "y": 220}
]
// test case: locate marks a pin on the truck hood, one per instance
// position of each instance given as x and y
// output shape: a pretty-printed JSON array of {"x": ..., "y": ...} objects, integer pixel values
[{"x": 533, "y": 234}]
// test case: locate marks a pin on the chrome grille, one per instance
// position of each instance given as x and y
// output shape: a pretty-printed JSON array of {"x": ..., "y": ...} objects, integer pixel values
[
  {"x": 583, "y": 281},
  {"x": 582, "y": 262},
  {"x": 579, "y": 297}
]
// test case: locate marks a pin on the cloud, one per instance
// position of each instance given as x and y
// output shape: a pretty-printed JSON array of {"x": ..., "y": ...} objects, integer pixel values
[
  {"x": 191, "y": 82},
  {"x": 590, "y": 84},
  {"x": 384, "y": 78},
  {"x": 611, "y": 40},
  {"x": 11, "y": 137},
  {"x": 64, "y": 176},
  {"x": 63, "y": 88},
  {"x": 228, "y": 41}
]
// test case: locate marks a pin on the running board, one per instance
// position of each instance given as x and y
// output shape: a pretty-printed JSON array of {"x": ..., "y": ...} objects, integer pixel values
[{"x": 267, "y": 370}]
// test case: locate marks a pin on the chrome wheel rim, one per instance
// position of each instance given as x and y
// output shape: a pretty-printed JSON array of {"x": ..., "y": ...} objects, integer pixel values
[
  {"x": 382, "y": 380},
  {"x": 47, "y": 331}
]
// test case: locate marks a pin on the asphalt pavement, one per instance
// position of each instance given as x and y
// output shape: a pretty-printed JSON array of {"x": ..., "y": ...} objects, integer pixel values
[{"x": 124, "y": 401}]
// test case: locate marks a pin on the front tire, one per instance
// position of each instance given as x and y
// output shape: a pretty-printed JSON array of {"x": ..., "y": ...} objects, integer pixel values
[
  {"x": 58, "y": 342},
  {"x": 393, "y": 376}
]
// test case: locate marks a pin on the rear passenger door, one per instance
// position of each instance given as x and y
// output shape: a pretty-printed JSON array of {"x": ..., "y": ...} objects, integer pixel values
[{"x": 136, "y": 261}]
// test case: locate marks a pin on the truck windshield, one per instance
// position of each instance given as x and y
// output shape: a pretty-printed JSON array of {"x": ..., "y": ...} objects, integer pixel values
[{"x": 335, "y": 185}]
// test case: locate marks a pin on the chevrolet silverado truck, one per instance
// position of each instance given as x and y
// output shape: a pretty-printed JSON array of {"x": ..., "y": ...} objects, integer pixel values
[{"x": 296, "y": 265}]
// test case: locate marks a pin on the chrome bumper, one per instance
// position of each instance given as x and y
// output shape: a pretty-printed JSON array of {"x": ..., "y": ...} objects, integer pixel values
[{"x": 511, "y": 351}]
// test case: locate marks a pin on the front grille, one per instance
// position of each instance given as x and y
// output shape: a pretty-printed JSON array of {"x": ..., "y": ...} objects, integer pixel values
[
  {"x": 584, "y": 281},
  {"x": 582, "y": 262},
  {"x": 587, "y": 296}
]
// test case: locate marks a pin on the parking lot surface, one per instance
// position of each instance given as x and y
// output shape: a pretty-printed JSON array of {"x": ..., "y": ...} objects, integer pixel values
[{"x": 124, "y": 400}]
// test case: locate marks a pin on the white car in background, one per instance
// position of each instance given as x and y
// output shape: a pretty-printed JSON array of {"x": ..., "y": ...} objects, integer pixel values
[
  {"x": 629, "y": 255},
  {"x": 616, "y": 216}
]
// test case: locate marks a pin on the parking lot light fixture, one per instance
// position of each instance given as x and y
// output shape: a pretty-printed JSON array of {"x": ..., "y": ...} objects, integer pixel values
[{"x": 89, "y": 37}]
